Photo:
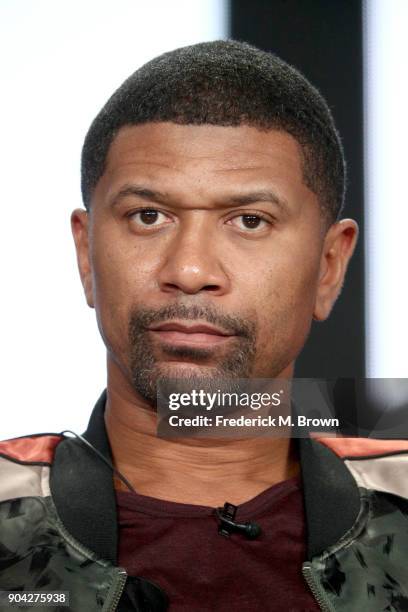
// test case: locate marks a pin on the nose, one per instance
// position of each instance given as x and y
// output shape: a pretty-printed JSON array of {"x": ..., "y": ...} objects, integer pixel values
[{"x": 193, "y": 263}]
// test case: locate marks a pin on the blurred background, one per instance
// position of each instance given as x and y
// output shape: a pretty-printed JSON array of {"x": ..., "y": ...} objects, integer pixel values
[{"x": 62, "y": 60}]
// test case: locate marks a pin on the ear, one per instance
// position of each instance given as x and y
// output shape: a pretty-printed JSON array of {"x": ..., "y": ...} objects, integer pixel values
[
  {"x": 338, "y": 248},
  {"x": 80, "y": 232}
]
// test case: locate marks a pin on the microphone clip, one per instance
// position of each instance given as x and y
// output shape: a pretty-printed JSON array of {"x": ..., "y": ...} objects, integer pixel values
[{"x": 227, "y": 526}]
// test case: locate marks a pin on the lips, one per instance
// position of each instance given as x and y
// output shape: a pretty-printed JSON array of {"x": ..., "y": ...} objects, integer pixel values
[
  {"x": 194, "y": 334},
  {"x": 190, "y": 329}
]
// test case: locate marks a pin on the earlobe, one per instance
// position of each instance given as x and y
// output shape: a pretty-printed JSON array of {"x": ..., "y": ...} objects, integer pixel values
[
  {"x": 80, "y": 232},
  {"x": 338, "y": 247}
]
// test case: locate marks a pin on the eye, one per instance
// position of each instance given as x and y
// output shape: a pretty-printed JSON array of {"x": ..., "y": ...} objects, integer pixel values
[
  {"x": 249, "y": 222},
  {"x": 146, "y": 217}
]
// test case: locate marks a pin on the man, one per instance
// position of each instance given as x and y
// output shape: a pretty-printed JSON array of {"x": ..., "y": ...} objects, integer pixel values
[{"x": 213, "y": 183}]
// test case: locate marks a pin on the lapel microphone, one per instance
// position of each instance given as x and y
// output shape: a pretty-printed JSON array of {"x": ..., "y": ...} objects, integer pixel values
[{"x": 228, "y": 525}]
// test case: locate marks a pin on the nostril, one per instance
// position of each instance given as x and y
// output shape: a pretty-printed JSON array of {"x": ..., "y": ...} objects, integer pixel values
[
  {"x": 210, "y": 288},
  {"x": 175, "y": 287},
  {"x": 171, "y": 287}
]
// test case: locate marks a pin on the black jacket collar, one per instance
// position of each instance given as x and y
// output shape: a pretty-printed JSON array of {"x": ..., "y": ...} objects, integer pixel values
[
  {"x": 82, "y": 488},
  {"x": 83, "y": 492}
]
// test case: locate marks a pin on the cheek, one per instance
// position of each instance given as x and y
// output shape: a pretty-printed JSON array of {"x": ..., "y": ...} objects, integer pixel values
[
  {"x": 284, "y": 295},
  {"x": 121, "y": 275}
]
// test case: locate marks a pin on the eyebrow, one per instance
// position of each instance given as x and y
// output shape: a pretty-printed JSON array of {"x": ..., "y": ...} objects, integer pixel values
[
  {"x": 151, "y": 195},
  {"x": 140, "y": 192},
  {"x": 264, "y": 195}
]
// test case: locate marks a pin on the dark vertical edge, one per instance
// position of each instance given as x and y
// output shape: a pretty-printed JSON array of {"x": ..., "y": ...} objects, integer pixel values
[{"x": 324, "y": 41}]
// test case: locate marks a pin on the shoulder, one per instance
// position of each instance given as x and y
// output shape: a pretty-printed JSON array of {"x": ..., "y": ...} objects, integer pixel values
[
  {"x": 25, "y": 464},
  {"x": 379, "y": 465}
]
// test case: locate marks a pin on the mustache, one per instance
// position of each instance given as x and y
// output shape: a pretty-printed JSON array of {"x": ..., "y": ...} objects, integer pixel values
[{"x": 142, "y": 318}]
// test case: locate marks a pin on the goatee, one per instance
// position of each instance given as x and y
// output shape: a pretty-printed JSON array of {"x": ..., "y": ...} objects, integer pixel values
[{"x": 236, "y": 362}]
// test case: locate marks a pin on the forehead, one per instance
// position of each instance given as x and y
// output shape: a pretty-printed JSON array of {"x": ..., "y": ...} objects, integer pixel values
[{"x": 205, "y": 158}]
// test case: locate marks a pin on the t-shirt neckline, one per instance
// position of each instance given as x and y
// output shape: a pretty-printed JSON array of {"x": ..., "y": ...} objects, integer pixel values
[{"x": 250, "y": 509}]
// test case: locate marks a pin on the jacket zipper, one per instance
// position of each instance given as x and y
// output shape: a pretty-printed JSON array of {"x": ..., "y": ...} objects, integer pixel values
[
  {"x": 121, "y": 574},
  {"x": 317, "y": 591},
  {"x": 117, "y": 591}
]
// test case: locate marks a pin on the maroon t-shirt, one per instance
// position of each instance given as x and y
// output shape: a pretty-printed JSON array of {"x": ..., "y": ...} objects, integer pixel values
[{"x": 178, "y": 547}]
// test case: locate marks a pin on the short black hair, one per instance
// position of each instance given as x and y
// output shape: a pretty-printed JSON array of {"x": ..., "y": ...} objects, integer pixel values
[{"x": 225, "y": 83}]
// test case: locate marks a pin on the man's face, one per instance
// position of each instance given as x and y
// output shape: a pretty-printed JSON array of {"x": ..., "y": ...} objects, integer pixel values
[{"x": 201, "y": 226}]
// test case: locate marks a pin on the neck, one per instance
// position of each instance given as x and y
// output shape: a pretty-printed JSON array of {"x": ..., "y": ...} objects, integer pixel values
[{"x": 206, "y": 472}]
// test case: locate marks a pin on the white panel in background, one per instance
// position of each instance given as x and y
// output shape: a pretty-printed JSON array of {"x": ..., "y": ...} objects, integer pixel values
[
  {"x": 386, "y": 216},
  {"x": 60, "y": 62}
]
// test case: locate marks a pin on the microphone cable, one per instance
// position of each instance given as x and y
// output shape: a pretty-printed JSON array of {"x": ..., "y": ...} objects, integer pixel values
[{"x": 101, "y": 456}]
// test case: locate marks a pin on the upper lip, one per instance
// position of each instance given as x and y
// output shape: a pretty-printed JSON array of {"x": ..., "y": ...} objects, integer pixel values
[{"x": 195, "y": 328}]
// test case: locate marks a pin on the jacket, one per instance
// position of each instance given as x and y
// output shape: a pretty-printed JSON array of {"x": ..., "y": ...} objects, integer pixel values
[{"x": 58, "y": 524}]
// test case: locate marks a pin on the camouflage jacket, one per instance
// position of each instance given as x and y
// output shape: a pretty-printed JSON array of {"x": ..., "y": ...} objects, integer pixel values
[{"x": 58, "y": 524}]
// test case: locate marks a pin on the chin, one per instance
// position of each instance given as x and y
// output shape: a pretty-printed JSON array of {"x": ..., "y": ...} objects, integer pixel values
[{"x": 177, "y": 369}]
